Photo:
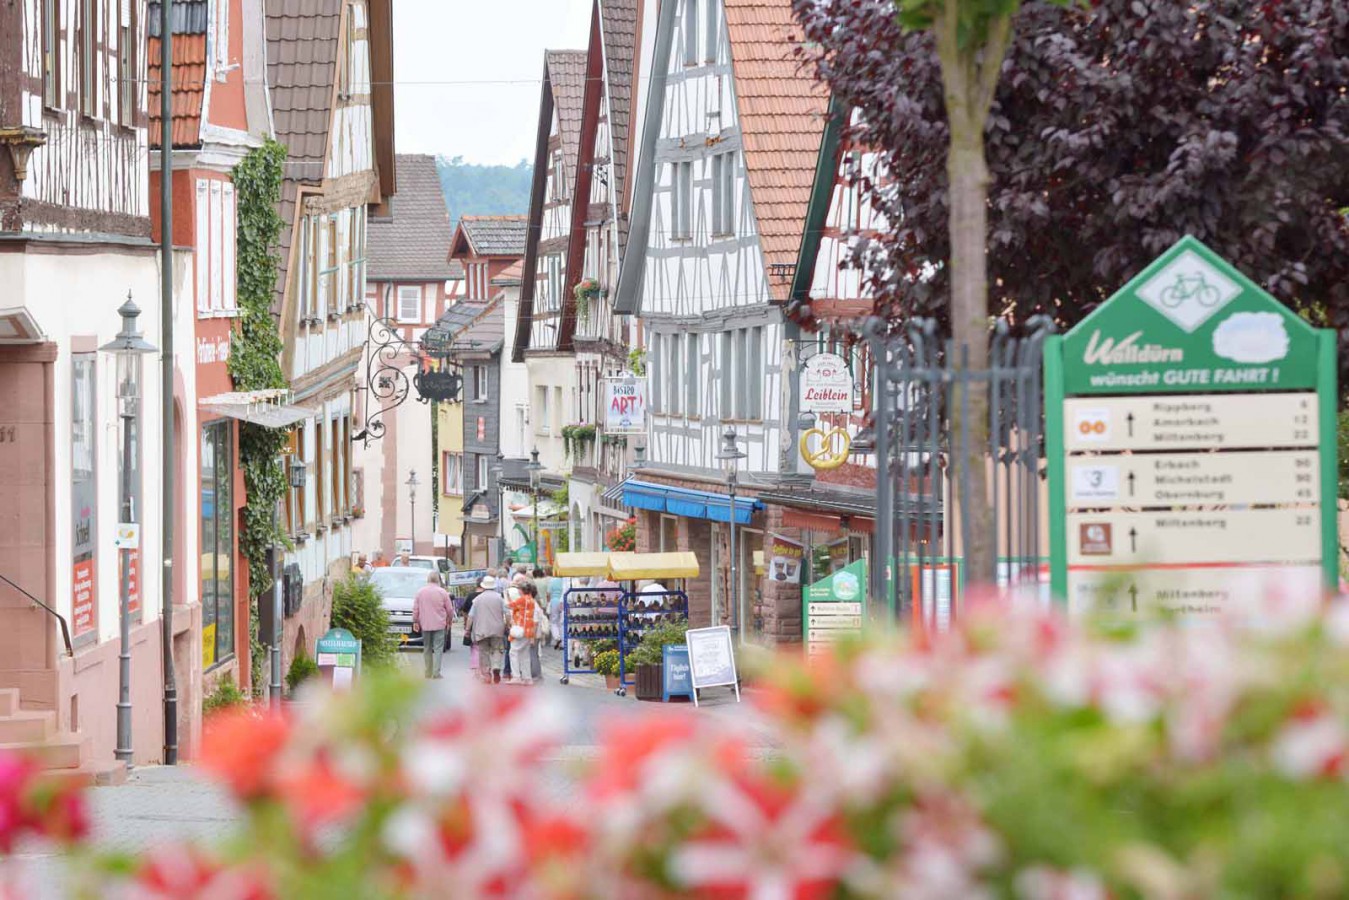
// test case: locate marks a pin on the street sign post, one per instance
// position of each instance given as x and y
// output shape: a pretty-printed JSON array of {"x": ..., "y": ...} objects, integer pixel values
[{"x": 1191, "y": 442}]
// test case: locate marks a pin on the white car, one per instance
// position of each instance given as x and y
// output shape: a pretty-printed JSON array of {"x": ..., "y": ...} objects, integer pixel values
[
  {"x": 436, "y": 563},
  {"x": 397, "y": 586}
]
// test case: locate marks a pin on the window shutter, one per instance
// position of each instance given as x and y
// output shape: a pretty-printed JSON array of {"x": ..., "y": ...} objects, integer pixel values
[
  {"x": 229, "y": 229},
  {"x": 202, "y": 255}
]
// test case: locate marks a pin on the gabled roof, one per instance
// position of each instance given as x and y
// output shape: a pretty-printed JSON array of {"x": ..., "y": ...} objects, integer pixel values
[
  {"x": 469, "y": 327},
  {"x": 413, "y": 243},
  {"x": 189, "y": 70},
  {"x": 782, "y": 115},
  {"x": 567, "y": 75},
  {"x": 618, "y": 23},
  {"x": 490, "y": 236},
  {"x": 302, "y": 49}
]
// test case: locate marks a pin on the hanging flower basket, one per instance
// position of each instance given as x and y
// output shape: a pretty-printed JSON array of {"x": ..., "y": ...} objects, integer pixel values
[
  {"x": 576, "y": 438},
  {"x": 586, "y": 292}
]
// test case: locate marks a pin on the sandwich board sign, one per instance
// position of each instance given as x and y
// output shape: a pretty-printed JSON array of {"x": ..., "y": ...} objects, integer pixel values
[
  {"x": 1191, "y": 443},
  {"x": 711, "y": 659}
]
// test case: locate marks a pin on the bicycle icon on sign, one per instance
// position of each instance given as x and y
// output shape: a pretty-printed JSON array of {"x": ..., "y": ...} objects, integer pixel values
[{"x": 1189, "y": 287}]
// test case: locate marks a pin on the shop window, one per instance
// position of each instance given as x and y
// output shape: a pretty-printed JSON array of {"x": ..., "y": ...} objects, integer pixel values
[{"x": 217, "y": 543}]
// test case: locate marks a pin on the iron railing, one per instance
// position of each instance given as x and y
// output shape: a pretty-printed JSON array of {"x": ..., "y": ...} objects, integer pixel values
[
  {"x": 925, "y": 483},
  {"x": 65, "y": 628}
]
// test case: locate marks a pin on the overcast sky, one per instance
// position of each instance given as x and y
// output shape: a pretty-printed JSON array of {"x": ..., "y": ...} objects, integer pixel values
[{"x": 444, "y": 51}]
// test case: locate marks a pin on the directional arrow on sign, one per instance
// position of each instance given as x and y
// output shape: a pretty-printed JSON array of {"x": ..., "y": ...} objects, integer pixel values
[
  {"x": 1131, "y": 482},
  {"x": 1133, "y": 597},
  {"x": 1133, "y": 540},
  {"x": 1130, "y": 419}
]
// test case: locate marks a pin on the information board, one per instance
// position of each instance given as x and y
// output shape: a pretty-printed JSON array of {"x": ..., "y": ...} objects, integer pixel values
[
  {"x": 1190, "y": 440},
  {"x": 711, "y": 659},
  {"x": 835, "y": 607},
  {"x": 338, "y": 657}
]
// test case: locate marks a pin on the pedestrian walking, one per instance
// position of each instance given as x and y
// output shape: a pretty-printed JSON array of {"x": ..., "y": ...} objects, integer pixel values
[
  {"x": 525, "y": 617},
  {"x": 432, "y": 614},
  {"x": 379, "y": 562},
  {"x": 487, "y": 622},
  {"x": 542, "y": 630}
]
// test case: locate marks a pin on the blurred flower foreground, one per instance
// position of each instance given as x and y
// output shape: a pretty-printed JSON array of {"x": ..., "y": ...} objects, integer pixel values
[{"x": 1023, "y": 756}]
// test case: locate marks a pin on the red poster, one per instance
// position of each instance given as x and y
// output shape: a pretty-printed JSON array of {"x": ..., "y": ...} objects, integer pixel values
[
  {"x": 84, "y": 610},
  {"x": 133, "y": 604}
]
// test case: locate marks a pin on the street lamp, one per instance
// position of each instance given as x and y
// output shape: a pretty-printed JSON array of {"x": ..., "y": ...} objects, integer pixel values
[
  {"x": 499, "y": 469},
  {"x": 730, "y": 456},
  {"x": 297, "y": 481},
  {"x": 412, "y": 483},
  {"x": 535, "y": 470},
  {"x": 127, "y": 348}
]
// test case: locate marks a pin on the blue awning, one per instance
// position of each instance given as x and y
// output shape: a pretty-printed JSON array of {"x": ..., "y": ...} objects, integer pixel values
[{"x": 688, "y": 503}]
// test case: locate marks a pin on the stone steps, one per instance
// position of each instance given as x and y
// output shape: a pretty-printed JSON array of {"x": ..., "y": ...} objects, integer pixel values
[{"x": 64, "y": 754}]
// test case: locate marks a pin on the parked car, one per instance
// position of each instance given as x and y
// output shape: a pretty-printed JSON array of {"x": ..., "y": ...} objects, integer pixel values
[
  {"x": 397, "y": 586},
  {"x": 438, "y": 563}
]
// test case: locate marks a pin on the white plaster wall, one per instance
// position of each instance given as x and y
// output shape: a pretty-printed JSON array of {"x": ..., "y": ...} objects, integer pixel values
[
  {"x": 413, "y": 453},
  {"x": 515, "y": 393},
  {"x": 82, "y": 300},
  {"x": 551, "y": 372}
]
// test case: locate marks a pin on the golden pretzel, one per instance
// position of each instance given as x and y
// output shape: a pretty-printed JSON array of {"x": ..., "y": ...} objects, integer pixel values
[{"x": 832, "y": 451}]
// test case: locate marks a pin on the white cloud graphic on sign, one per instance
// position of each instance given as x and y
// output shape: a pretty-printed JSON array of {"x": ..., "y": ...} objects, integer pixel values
[{"x": 1251, "y": 337}]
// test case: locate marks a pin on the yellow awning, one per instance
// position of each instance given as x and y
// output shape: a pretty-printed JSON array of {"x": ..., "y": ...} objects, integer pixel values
[
  {"x": 639, "y": 566},
  {"x": 576, "y": 564}
]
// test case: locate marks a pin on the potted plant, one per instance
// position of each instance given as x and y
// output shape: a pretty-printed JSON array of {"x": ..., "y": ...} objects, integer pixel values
[
  {"x": 648, "y": 660},
  {"x": 585, "y": 292},
  {"x": 606, "y": 664},
  {"x": 623, "y": 538}
]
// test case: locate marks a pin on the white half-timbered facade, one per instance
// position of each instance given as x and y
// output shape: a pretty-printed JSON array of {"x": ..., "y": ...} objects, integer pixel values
[
  {"x": 332, "y": 105},
  {"x": 724, "y": 170}
]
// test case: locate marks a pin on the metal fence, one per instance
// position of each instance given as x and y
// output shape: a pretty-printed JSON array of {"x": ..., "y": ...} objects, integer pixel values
[{"x": 926, "y": 484}]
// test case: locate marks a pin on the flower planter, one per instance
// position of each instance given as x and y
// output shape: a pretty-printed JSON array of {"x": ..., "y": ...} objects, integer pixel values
[
  {"x": 649, "y": 678},
  {"x": 611, "y": 682}
]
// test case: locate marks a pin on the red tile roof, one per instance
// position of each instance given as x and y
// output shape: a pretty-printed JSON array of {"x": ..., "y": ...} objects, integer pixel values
[
  {"x": 189, "y": 86},
  {"x": 782, "y": 114}
]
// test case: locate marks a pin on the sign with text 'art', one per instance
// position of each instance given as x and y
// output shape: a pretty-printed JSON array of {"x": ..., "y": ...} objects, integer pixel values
[
  {"x": 1191, "y": 443},
  {"x": 625, "y": 405}
]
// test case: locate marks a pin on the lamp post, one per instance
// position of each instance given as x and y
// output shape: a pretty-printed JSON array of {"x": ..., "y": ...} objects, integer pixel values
[
  {"x": 127, "y": 348},
  {"x": 499, "y": 469},
  {"x": 730, "y": 456},
  {"x": 535, "y": 470},
  {"x": 296, "y": 475},
  {"x": 412, "y": 483}
]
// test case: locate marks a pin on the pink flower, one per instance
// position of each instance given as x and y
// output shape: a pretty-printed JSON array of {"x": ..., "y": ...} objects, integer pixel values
[
  {"x": 1045, "y": 883},
  {"x": 766, "y": 841},
  {"x": 945, "y": 849},
  {"x": 1313, "y": 744},
  {"x": 242, "y": 748}
]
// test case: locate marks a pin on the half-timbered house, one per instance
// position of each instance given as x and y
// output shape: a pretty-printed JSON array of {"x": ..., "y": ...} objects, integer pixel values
[
  {"x": 724, "y": 175},
  {"x": 600, "y": 338},
  {"x": 330, "y": 74},
  {"x": 540, "y": 328},
  {"x": 75, "y": 242}
]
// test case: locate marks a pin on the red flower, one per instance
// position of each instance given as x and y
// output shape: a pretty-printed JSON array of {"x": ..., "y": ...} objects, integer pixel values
[
  {"x": 33, "y": 802},
  {"x": 242, "y": 748},
  {"x": 317, "y": 794},
  {"x": 628, "y": 746},
  {"x": 184, "y": 873}
]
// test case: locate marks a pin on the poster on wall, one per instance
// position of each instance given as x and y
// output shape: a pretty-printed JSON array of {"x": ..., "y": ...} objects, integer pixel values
[
  {"x": 625, "y": 405},
  {"x": 785, "y": 559},
  {"x": 84, "y": 593}
]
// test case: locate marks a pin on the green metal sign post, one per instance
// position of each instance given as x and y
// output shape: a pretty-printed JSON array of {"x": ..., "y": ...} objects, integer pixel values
[{"x": 1191, "y": 442}]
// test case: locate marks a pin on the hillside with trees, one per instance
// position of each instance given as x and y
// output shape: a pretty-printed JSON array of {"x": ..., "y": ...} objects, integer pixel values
[{"x": 480, "y": 190}]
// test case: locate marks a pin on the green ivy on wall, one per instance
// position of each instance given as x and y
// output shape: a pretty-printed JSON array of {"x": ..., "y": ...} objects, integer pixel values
[{"x": 255, "y": 364}]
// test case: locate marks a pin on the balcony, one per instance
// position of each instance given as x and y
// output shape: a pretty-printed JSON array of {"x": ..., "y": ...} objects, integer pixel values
[{"x": 595, "y": 319}]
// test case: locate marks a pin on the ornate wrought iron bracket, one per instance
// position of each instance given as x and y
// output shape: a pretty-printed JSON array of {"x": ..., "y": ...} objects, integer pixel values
[{"x": 387, "y": 385}]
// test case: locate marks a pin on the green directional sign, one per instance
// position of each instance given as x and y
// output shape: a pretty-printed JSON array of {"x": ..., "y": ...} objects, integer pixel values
[
  {"x": 1190, "y": 323},
  {"x": 1190, "y": 427}
]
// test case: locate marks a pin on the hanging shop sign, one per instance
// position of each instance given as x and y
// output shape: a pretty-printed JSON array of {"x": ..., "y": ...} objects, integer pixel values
[
  {"x": 835, "y": 607},
  {"x": 625, "y": 405},
  {"x": 443, "y": 386},
  {"x": 785, "y": 559},
  {"x": 826, "y": 384},
  {"x": 825, "y": 450},
  {"x": 1191, "y": 442}
]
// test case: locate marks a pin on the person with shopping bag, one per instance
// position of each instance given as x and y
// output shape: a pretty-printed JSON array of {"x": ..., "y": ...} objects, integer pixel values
[{"x": 525, "y": 618}]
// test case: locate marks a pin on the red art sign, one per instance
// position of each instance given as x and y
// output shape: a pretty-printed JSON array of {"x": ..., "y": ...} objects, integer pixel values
[{"x": 84, "y": 611}]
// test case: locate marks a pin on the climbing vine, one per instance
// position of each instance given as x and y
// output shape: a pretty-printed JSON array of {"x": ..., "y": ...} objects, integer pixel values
[{"x": 255, "y": 364}]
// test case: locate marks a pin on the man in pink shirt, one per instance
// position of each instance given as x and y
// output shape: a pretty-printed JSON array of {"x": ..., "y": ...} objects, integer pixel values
[{"x": 432, "y": 613}]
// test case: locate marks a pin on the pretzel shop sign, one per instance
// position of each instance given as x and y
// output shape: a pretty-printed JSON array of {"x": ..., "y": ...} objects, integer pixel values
[{"x": 826, "y": 384}]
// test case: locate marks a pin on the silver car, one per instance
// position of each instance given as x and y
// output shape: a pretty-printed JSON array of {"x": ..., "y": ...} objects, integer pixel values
[{"x": 397, "y": 586}]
